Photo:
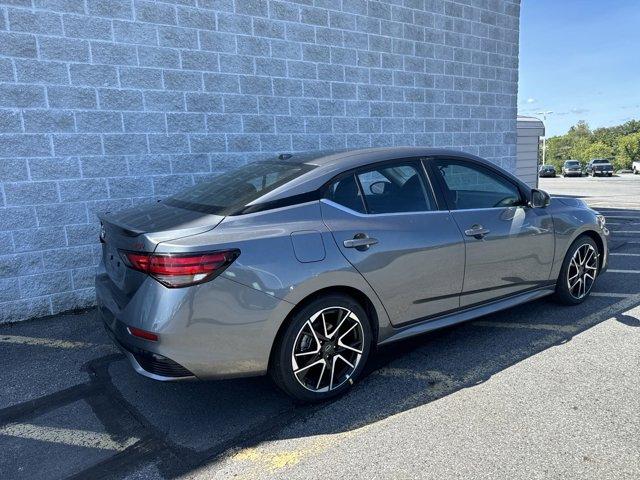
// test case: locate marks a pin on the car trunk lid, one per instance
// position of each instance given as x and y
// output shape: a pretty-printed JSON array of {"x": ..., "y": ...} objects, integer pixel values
[{"x": 141, "y": 229}]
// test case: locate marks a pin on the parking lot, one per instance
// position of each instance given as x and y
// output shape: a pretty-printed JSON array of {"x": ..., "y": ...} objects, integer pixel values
[{"x": 538, "y": 391}]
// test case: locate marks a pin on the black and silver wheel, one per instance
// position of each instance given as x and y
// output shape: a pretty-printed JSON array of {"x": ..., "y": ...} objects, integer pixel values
[
  {"x": 579, "y": 271},
  {"x": 323, "y": 350}
]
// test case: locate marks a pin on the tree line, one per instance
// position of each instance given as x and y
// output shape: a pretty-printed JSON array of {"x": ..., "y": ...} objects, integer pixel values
[{"x": 619, "y": 144}]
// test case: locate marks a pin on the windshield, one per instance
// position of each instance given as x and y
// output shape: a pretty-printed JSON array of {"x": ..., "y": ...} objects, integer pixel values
[
  {"x": 573, "y": 163},
  {"x": 234, "y": 189},
  {"x": 601, "y": 161}
]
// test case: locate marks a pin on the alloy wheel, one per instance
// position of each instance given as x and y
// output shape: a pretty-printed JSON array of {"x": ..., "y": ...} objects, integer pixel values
[
  {"x": 327, "y": 349},
  {"x": 582, "y": 271}
]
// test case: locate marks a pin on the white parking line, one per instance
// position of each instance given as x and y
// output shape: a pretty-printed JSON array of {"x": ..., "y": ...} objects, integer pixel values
[
  {"x": 611, "y": 294},
  {"x": 624, "y": 254},
  {"x": 622, "y": 271},
  {"x": 44, "y": 342},
  {"x": 626, "y": 231},
  {"x": 67, "y": 436}
]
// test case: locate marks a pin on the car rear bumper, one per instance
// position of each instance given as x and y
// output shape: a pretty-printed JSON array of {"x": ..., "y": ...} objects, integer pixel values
[
  {"x": 219, "y": 329},
  {"x": 144, "y": 362}
]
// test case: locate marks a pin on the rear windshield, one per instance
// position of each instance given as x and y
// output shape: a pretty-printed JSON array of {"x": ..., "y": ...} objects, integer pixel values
[
  {"x": 232, "y": 190},
  {"x": 572, "y": 163},
  {"x": 601, "y": 161}
]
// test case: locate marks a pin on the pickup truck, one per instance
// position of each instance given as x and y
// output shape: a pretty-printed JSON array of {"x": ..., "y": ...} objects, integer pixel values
[
  {"x": 600, "y": 166},
  {"x": 636, "y": 168}
]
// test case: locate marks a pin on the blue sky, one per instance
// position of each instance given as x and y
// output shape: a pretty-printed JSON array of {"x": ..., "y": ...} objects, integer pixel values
[{"x": 580, "y": 59}]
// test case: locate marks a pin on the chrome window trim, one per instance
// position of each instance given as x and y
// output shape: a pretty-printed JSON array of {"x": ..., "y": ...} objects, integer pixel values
[{"x": 377, "y": 215}]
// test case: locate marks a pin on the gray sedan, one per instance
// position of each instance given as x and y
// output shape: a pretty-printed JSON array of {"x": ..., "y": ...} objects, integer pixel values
[{"x": 302, "y": 265}]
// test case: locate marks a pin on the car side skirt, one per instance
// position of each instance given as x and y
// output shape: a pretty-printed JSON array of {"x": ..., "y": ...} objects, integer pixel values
[{"x": 468, "y": 314}]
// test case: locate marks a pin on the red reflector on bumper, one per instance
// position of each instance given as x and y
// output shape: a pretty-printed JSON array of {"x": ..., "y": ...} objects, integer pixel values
[{"x": 137, "y": 332}]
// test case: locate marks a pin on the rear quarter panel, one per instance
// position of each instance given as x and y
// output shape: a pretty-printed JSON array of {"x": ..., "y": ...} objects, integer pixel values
[{"x": 268, "y": 262}]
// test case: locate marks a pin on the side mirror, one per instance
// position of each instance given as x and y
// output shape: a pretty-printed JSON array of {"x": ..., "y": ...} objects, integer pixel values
[
  {"x": 377, "y": 188},
  {"x": 539, "y": 199}
]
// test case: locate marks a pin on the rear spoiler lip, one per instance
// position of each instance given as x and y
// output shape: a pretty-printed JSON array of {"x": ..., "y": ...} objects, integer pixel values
[{"x": 126, "y": 229}]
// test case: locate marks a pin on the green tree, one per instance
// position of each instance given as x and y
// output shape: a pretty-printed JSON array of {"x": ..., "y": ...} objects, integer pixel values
[
  {"x": 558, "y": 150},
  {"x": 628, "y": 150},
  {"x": 619, "y": 143},
  {"x": 596, "y": 150}
]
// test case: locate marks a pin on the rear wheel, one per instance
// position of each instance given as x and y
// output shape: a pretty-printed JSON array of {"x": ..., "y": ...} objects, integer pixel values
[
  {"x": 579, "y": 271},
  {"x": 323, "y": 350}
]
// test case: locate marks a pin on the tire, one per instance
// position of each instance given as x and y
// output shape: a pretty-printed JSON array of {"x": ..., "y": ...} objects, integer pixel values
[
  {"x": 568, "y": 292},
  {"x": 312, "y": 353}
]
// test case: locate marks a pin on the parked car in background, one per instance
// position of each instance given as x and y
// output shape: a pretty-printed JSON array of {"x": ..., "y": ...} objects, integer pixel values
[
  {"x": 547, "y": 171},
  {"x": 302, "y": 265},
  {"x": 572, "y": 168},
  {"x": 636, "y": 168},
  {"x": 600, "y": 166}
]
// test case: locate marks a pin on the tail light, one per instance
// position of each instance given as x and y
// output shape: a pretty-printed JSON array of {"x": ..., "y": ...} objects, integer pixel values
[{"x": 180, "y": 269}]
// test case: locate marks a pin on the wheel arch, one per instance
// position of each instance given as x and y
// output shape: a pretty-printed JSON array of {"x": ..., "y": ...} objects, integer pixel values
[
  {"x": 595, "y": 236},
  {"x": 358, "y": 295}
]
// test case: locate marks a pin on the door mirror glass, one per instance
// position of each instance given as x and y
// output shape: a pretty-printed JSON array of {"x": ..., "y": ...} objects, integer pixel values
[
  {"x": 539, "y": 199},
  {"x": 377, "y": 188}
]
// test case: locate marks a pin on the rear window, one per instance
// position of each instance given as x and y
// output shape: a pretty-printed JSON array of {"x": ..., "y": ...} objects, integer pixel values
[
  {"x": 232, "y": 190},
  {"x": 600, "y": 161},
  {"x": 572, "y": 164}
]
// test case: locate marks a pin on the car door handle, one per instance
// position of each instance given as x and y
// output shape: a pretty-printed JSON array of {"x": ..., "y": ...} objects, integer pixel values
[
  {"x": 477, "y": 231},
  {"x": 360, "y": 241}
]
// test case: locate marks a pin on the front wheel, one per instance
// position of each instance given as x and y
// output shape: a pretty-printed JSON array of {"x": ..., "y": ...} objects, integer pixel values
[
  {"x": 323, "y": 350},
  {"x": 579, "y": 271}
]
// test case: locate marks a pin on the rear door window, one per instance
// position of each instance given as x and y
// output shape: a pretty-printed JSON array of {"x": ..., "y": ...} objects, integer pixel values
[
  {"x": 394, "y": 189},
  {"x": 346, "y": 192},
  {"x": 389, "y": 188}
]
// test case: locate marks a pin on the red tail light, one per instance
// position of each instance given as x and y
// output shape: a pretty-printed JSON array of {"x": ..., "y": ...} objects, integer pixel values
[{"x": 181, "y": 269}]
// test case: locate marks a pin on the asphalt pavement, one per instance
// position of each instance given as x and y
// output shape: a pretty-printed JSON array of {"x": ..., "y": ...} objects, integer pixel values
[{"x": 537, "y": 391}]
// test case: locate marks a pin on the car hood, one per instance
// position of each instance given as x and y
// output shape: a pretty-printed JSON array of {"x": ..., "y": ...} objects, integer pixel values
[{"x": 571, "y": 201}]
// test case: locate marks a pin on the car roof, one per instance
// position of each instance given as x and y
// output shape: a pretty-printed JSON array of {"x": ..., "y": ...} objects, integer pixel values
[{"x": 329, "y": 164}]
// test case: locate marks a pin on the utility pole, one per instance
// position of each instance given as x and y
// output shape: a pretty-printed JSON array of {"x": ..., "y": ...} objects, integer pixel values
[{"x": 544, "y": 138}]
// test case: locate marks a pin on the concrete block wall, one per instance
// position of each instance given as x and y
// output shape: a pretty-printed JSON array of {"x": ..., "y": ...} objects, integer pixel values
[{"x": 107, "y": 103}]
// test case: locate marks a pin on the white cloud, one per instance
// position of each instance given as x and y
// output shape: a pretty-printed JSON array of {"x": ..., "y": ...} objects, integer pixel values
[
  {"x": 579, "y": 111},
  {"x": 531, "y": 100}
]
